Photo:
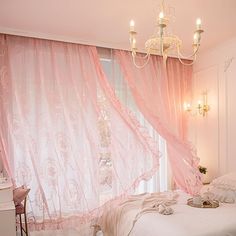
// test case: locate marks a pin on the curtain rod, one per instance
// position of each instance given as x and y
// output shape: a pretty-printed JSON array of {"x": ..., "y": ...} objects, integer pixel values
[{"x": 102, "y": 45}]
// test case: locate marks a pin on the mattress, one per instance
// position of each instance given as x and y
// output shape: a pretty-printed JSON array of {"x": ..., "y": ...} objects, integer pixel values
[{"x": 185, "y": 221}]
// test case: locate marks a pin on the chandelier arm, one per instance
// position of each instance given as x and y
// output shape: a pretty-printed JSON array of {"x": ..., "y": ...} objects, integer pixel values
[
  {"x": 188, "y": 64},
  {"x": 140, "y": 57},
  {"x": 162, "y": 42},
  {"x": 147, "y": 57},
  {"x": 194, "y": 56},
  {"x": 190, "y": 56}
]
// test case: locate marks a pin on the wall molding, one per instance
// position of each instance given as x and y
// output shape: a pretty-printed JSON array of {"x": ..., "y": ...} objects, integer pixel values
[
  {"x": 228, "y": 63},
  {"x": 207, "y": 78}
]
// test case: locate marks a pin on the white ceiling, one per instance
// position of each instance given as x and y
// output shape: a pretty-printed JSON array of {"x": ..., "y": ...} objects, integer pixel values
[{"x": 106, "y": 22}]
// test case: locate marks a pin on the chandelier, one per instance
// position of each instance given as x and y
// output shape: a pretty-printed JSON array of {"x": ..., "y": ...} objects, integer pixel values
[{"x": 163, "y": 43}]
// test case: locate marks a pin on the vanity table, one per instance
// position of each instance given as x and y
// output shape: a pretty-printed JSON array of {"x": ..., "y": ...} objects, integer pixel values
[{"x": 7, "y": 209}]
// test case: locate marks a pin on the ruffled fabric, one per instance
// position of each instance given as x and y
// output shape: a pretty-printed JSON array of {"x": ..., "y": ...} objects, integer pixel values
[
  {"x": 223, "y": 188},
  {"x": 64, "y": 133},
  {"x": 160, "y": 92},
  {"x": 226, "y": 182}
]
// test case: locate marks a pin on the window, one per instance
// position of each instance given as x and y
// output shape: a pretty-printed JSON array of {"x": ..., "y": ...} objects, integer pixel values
[{"x": 159, "y": 182}]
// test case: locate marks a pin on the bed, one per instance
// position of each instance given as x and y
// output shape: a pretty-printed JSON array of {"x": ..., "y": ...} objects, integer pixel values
[
  {"x": 129, "y": 219},
  {"x": 186, "y": 221}
]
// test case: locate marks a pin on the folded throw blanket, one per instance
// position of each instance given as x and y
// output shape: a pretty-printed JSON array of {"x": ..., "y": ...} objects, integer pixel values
[{"x": 120, "y": 220}]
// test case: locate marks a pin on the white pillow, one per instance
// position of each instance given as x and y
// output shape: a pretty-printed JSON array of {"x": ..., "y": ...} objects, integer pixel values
[
  {"x": 223, "y": 188},
  {"x": 227, "y": 182}
]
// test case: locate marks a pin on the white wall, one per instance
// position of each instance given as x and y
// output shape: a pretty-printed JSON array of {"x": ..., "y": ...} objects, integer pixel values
[{"x": 215, "y": 134}]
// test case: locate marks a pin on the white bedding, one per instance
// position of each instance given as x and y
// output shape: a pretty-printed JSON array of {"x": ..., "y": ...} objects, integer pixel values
[{"x": 187, "y": 221}]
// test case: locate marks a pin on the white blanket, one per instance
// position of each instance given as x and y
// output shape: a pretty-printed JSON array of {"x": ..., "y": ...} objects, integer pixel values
[
  {"x": 186, "y": 221},
  {"x": 119, "y": 220},
  {"x": 189, "y": 221}
]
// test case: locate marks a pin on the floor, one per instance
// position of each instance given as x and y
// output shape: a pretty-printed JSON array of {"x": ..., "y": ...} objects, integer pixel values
[
  {"x": 72, "y": 232},
  {"x": 54, "y": 233}
]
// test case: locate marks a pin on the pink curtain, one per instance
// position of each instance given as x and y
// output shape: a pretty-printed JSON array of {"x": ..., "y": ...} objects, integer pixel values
[
  {"x": 160, "y": 93},
  {"x": 63, "y": 132}
]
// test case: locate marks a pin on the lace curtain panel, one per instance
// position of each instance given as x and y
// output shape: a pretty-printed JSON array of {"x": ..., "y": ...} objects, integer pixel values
[
  {"x": 159, "y": 93},
  {"x": 161, "y": 181},
  {"x": 64, "y": 133}
]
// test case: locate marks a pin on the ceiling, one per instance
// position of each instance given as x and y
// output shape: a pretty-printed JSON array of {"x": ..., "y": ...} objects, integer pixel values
[{"x": 106, "y": 22}]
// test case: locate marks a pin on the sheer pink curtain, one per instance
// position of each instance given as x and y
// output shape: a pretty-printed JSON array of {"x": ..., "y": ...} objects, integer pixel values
[
  {"x": 160, "y": 95},
  {"x": 63, "y": 132}
]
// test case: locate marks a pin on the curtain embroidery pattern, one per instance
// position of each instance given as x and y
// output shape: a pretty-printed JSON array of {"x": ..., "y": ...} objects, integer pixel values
[
  {"x": 159, "y": 93},
  {"x": 65, "y": 134}
]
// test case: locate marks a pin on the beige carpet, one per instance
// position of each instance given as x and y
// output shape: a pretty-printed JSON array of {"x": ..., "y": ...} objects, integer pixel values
[
  {"x": 54, "y": 233},
  {"x": 66, "y": 232}
]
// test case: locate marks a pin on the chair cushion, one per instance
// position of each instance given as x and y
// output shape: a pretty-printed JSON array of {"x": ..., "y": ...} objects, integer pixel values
[{"x": 19, "y": 194}]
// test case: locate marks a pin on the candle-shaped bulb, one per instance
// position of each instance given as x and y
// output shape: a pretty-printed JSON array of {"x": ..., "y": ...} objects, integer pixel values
[
  {"x": 161, "y": 15},
  {"x": 187, "y": 106},
  {"x": 161, "y": 18},
  {"x": 131, "y": 25},
  {"x": 198, "y": 23}
]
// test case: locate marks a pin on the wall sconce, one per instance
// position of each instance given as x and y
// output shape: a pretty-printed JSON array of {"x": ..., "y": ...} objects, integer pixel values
[{"x": 202, "y": 107}]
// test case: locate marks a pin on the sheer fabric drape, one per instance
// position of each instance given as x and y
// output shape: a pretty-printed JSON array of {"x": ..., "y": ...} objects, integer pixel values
[
  {"x": 63, "y": 132},
  {"x": 159, "y": 93},
  {"x": 159, "y": 182}
]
